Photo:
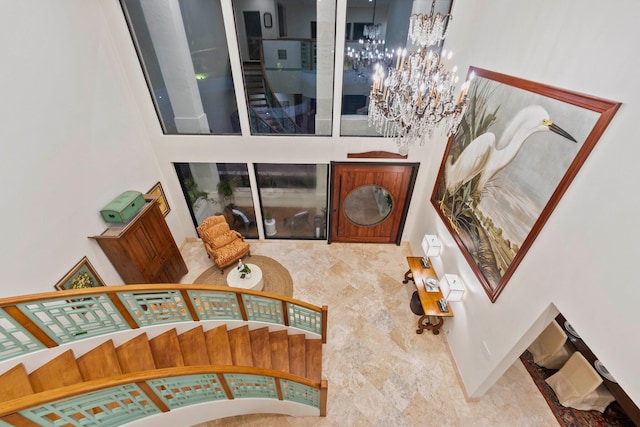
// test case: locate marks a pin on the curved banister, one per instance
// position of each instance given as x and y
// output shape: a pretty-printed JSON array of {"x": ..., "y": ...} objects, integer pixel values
[
  {"x": 150, "y": 387},
  {"x": 50, "y": 319},
  {"x": 60, "y": 393},
  {"x": 35, "y": 322}
]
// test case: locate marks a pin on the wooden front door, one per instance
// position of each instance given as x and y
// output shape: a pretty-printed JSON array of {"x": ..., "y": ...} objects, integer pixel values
[{"x": 369, "y": 201}]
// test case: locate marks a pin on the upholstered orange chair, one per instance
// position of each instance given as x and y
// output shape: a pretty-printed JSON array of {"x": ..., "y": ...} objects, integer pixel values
[{"x": 223, "y": 245}]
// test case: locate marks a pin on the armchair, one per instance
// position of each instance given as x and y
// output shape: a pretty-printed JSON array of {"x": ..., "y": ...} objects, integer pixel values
[
  {"x": 550, "y": 349},
  {"x": 578, "y": 385},
  {"x": 223, "y": 245}
]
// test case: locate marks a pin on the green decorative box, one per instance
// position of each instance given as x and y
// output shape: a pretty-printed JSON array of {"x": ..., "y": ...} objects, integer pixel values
[{"x": 124, "y": 207}]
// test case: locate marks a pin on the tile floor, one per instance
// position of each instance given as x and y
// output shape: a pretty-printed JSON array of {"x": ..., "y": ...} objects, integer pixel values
[{"x": 380, "y": 372}]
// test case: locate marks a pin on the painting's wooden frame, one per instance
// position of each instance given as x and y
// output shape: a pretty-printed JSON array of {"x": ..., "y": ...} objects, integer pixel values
[
  {"x": 83, "y": 266},
  {"x": 462, "y": 199},
  {"x": 267, "y": 20},
  {"x": 157, "y": 191}
]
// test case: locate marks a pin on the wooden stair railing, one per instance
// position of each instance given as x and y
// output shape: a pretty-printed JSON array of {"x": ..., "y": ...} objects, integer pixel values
[
  {"x": 145, "y": 393},
  {"x": 159, "y": 371},
  {"x": 34, "y": 322}
]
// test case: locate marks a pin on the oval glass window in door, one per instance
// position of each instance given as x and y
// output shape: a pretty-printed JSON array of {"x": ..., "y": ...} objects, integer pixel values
[{"x": 368, "y": 205}]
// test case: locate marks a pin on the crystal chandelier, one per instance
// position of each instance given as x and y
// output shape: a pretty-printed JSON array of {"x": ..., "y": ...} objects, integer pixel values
[
  {"x": 371, "y": 50},
  {"x": 410, "y": 100},
  {"x": 372, "y": 31},
  {"x": 428, "y": 30}
]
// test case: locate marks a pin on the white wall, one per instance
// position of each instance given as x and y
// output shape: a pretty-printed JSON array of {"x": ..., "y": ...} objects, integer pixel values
[
  {"x": 582, "y": 260},
  {"x": 71, "y": 140}
]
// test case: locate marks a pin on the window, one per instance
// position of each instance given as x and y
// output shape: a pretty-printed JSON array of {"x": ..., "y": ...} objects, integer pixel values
[
  {"x": 219, "y": 189},
  {"x": 293, "y": 199},
  {"x": 288, "y": 80},
  {"x": 185, "y": 59}
]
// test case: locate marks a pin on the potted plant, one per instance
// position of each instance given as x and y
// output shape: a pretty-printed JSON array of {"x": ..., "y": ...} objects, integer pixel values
[
  {"x": 226, "y": 187},
  {"x": 269, "y": 224},
  {"x": 244, "y": 269},
  {"x": 193, "y": 191}
]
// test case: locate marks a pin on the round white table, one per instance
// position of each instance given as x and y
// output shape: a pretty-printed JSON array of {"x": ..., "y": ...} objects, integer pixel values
[{"x": 254, "y": 282}]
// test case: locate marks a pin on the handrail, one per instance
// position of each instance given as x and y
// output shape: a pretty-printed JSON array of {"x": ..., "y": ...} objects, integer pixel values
[
  {"x": 270, "y": 94},
  {"x": 257, "y": 116},
  {"x": 49, "y": 319},
  {"x": 165, "y": 389}
]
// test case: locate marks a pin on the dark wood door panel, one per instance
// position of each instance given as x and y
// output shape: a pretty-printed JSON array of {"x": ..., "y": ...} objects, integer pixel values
[{"x": 395, "y": 179}]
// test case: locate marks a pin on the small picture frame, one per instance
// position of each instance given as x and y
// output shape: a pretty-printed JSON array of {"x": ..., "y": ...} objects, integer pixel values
[
  {"x": 268, "y": 20},
  {"x": 157, "y": 191},
  {"x": 82, "y": 275}
]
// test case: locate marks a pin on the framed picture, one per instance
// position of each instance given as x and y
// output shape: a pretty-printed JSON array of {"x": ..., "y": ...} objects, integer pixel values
[
  {"x": 517, "y": 149},
  {"x": 157, "y": 191},
  {"x": 268, "y": 20},
  {"x": 82, "y": 275}
]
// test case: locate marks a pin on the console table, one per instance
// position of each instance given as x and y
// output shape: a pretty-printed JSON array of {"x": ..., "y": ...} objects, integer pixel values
[{"x": 429, "y": 300}]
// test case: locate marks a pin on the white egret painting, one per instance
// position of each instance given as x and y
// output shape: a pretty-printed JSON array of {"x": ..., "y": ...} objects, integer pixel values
[{"x": 514, "y": 154}]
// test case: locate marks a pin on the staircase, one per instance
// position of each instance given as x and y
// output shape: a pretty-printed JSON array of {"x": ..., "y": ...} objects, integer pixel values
[
  {"x": 266, "y": 113},
  {"x": 257, "y": 96},
  {"x": 258, "y": 348}
]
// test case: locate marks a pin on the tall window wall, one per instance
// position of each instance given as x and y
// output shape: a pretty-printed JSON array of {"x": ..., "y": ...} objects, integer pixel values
[
  {"x": 286, "y": 51},
  {"x": 293, "y": 197},
  {"x": 286, "y": 54}
]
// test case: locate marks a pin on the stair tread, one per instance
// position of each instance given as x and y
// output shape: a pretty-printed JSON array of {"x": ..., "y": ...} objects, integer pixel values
[
  {"x": 100, "y": 362},
  {"x": 135, "y": 355},
  {"x": 279, "y": 342},
  {"x": 165, "y": 349},
  {"x": 261, "y": 348},
  {"x": 59, "y": 372},
  {"x": 15, "y": 383},
  {"x": 194, "y": 347},
  {"x": 240, "y": 344},
  {"x": 218, "y": 347},
  {"x": 313, "y": 363},
  {"x": 297, "y": 358}
]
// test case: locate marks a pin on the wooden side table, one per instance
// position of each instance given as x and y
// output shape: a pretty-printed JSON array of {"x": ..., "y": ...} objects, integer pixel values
[{"x": 429, "y": 300}]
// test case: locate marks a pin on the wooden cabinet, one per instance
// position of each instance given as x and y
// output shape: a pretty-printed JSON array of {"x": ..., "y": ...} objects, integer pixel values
[{"x": 143, "y": 251}]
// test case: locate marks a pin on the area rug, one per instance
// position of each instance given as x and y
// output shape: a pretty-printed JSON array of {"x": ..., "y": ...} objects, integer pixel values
[
  {"x": 569, "y": 417},
  {"x": 275, "y": 276}
]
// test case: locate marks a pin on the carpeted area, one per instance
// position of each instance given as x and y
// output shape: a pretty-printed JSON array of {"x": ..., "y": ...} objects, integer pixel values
[
  {"x": 275, "y": 276},
  {"x": 569, "y": 417}
]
